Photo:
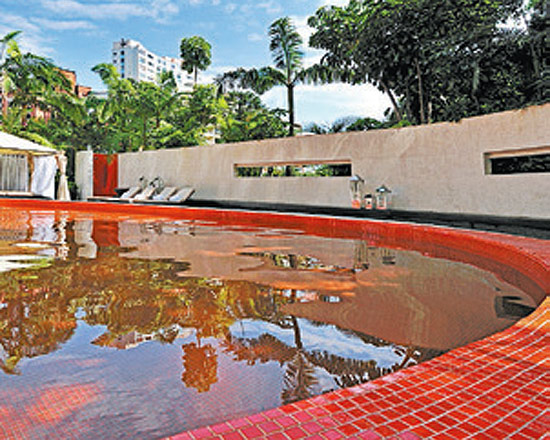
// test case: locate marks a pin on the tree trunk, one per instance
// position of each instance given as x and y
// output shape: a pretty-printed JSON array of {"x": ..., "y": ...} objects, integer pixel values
[
  {"x": 388, "y": 92},
  {"x": 290, "y": 95},
  {"x": 420, "y": 93},
  {"x": 196, "y": 72},
  {"x": 408, "y": 106}
]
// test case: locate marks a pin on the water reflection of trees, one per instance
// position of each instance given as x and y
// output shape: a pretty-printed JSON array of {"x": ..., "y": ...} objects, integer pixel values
[{"x": 139, "y": 300}]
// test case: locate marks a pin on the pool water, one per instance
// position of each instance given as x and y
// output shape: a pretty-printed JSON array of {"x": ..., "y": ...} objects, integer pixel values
[{"x": 141, "y": 327}]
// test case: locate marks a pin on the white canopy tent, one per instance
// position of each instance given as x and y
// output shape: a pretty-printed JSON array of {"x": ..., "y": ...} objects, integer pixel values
[{"x": 27, "y": 168}]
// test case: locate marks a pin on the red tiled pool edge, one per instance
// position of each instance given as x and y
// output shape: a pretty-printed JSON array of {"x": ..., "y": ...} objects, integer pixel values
[{"x": 494, "y": 388}]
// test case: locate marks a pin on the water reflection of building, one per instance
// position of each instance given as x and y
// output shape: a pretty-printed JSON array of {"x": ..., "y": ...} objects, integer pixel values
[{"x": 135, "y": 338}]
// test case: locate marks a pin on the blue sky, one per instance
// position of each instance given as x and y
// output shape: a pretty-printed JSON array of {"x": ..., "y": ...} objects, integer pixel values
[{"x": 78, "y": 34}]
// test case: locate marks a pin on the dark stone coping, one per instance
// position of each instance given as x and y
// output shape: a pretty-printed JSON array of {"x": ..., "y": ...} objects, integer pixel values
[{"x": 537, "y": 228}]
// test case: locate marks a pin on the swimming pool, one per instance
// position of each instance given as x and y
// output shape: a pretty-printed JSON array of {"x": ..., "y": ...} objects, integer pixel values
[{"x": 135, "y": 324}]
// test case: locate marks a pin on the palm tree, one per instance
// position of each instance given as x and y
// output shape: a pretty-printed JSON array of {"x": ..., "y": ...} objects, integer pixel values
[
  {"x": 196, "y": 55},
  {"x": 285, "y": 46},
  {"x": 31, "y": 79},
  {"x": 5, "y": 42}
]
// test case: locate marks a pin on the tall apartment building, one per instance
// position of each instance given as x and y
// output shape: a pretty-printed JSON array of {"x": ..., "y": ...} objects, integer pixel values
[{"x": 133, "y": 60}]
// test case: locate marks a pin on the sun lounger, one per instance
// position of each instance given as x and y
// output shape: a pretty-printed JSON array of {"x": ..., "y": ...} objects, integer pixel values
[
  {"x": 146, "y": 194},
  {"x": 177, "y": 197},
  {"x": 165, "y": 194}
]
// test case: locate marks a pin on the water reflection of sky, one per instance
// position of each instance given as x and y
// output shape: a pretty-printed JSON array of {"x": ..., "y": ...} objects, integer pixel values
[{"x": 320, "y": 338}]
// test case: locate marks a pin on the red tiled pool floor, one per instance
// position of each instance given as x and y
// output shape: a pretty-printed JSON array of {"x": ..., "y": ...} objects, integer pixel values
[{"x": 495, "y": 388}]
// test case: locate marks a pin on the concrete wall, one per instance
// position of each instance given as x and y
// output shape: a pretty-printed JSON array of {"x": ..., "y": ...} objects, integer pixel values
[{"x": 440, "y": 167}]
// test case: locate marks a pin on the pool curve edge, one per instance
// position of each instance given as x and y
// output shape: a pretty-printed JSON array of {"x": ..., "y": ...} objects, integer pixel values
[{"x": 492, "y": 388}]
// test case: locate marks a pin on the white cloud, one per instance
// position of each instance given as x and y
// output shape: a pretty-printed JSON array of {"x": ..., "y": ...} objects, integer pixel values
[
  {"x": 159, "y": 10},
  {"x": 230, "y": 8},
  {"x": 270, "y": 6},
  {"x": 32, "y": 39},
  {"x": 64, "y": 25},
  {"x": 254, "y": 36},
  {"x": 333, "y": 3}
]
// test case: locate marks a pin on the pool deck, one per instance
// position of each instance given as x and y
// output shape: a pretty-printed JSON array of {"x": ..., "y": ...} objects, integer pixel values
[{"x": 495, "y": 388}]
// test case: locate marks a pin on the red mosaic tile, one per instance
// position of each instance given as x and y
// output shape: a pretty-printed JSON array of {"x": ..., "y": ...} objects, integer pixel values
[
  {"x": 398, "y": 425},
  {"x": 303, "y": 404},
  {"x": 422, "y": 431},
  {"x": 252, "y": 432},
  {"x": 221, "y": 428},
  {"x": 256, "y": 418},
  {"x": 289, "y": 409},
  {"x": 342, "y": 418},
  {"x": 238, "y": 423},
  {"x": 268, "y": 427},
  {"x": 362, "y": 424},
  {"x": 201, "y": 433},
  {"x": 436, "y": 426},
  {"x": 286, "y": 421},
  {"x": 295, "y": 433},
  {"x": 443, "y": 436},
  {"x": 384, "y": 431},
  {"x": 348, "y": 429},
  {"x": 370, "y": 435},
  {"x": 317, "y": 411},
  {"x": 314, "y": 437},
  {"x": 302, "y": 416},
  {"x": 182, "y": 436},
  {"x": 332, "y": 435},
  {"x": 312, "y": 427},
  {"x": 235, "y": 435},
  {"x": 333, "y": 408},
  {"x": 277, "y": 436},
  {"x": 411, "y": 420},
  {"x": 357, "y": 413}
]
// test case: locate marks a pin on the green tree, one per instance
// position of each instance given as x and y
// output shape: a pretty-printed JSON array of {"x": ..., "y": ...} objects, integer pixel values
[
  {"x": 435, "y": 59},
  {"x": 196, "y": 54}
]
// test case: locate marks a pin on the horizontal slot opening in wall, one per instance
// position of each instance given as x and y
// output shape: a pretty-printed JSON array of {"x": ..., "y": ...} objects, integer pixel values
[
  {"x": 295, "y": 169},
  {"x": 532, "y": 160}
]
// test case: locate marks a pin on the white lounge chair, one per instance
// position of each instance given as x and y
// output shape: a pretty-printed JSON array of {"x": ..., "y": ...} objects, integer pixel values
[
  {"x": 179, "y": 196},
  {"x": 146, "y": 194},
  {"x": 165, "y": 194}
]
